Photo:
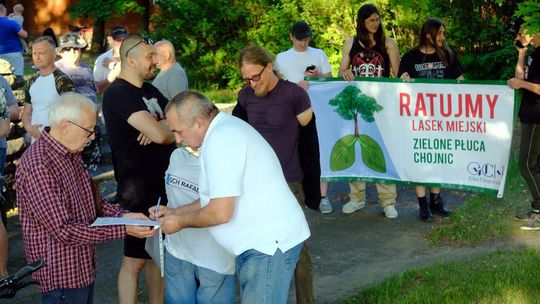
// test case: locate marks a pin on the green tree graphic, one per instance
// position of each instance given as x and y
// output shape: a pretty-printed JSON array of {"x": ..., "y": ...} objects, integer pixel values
[{"x": 349, "y": 103}]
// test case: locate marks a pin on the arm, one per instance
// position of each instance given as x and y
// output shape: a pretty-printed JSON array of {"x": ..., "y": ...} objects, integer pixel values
[
  {"x": 393, "y": 53},
  {"x": 22, "y": 33},
  {"x": 346, "y": 61},
  {"x": 218, "y": 211},
  {"x": 305, "y": 117},
  {"x": 3, "y": 250},
  {"x": 5, "y": 127},
  {"x": 15, "y": 112},
  {"x": 45, "y": 200},
  {"x": 27, "y": 121},
  {"x": 146, "y": 124}
]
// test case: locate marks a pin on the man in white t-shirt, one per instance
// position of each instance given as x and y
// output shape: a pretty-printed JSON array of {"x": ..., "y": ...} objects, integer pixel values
[
  {"x": 244, "y": 198},
  {"x": 304, "y": 61},
  {"x": 44, "y": 88},
  {"x": 197, "y": 268},
  {"x": 107, "y": 65}
]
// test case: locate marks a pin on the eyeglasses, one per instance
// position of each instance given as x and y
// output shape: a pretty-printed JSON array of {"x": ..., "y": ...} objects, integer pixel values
[
  {"x": 90, "y": 132},
  {"x": 67, "y": 49},
  {"x": 146, "y": 40},
  {"x": 255, "y": 78}
]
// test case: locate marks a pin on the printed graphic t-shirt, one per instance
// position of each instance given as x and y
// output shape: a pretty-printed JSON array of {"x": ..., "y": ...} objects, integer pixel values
[
  {"x": 364, "y": 63},
  {"x": 420, "y": 65}
]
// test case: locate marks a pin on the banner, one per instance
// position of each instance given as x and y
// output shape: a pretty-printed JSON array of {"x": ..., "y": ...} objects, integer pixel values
[{"x": 452, "y": 134}]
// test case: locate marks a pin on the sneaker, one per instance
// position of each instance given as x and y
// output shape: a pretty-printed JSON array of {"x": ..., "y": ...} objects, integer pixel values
[
  {"x": 325, "y": 206},
  {"x": 352, "y": 206},
  {"x": 533, "y": 223},
  {"x": 390, "y": 211},
  {"x": 524, "y": 216}
]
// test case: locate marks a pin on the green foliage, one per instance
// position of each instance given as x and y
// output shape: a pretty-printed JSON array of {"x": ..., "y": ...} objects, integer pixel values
[
  {"x": 351, "y": 102},
  {"x": 104, "y": 9},
  {"x": 530, "y": 11},
  {"x": 209, "y": 34}
]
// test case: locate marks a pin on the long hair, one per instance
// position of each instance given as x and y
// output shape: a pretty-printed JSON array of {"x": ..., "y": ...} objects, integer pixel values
[
  {"x": 431, "y": 27},
  {"x": 362, "y": 34}
]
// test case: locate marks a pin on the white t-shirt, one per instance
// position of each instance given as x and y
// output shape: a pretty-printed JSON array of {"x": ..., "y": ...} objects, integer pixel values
[
  {"x": 292, "y": 64},
  {"x": 43, "y": 94},
  {"x": 194, "y": 245},
  {"x": 100, "y": 72},
  {"x": 236, "y": 161}
]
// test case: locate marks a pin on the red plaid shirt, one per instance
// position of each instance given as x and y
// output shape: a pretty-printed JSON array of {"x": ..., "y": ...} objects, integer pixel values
[{"x": 56, "y": 208}]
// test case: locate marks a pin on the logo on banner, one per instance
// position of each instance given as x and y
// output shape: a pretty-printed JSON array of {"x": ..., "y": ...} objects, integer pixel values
[
  {"x": 484, "y": 170},
  {"x": 350, "y": 103}
]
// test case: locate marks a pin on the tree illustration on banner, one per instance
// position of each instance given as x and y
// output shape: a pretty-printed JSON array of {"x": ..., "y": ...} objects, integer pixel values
[{"x": 349, "y": 103}]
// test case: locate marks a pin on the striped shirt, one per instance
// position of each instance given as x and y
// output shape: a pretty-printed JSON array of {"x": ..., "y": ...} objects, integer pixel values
[{"x": 56, "y": 208}]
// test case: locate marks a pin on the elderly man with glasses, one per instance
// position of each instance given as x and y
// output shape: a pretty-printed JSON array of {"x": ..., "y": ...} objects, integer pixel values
[
  {"x": 57, "y": 205},
  {"x": 141, "y": 145}
]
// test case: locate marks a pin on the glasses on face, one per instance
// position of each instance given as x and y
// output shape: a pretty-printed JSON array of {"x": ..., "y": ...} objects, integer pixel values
[
  {"x": 255, "y": 78},
  {"x": 68, "y": 49},
  {"x": 147, "y": 41},
  {"x": 373, "y": 20},
  {"x": 90, "y": 132}
]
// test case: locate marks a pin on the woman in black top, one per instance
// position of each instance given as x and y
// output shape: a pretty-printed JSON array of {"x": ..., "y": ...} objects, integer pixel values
[
  {"x": 432, "y": 59},
  {"x": 370, "y": 53}
]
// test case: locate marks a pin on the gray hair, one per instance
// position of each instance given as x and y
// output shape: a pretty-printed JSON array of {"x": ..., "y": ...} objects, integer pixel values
[
  {"x": 49, "y": 41},
  {"x": 190, "y": 105},
  {"x": 69, "y": 106}
]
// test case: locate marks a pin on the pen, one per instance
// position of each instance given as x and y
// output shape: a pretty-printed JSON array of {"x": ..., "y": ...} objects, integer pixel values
[{"x": 157, "y": 208}]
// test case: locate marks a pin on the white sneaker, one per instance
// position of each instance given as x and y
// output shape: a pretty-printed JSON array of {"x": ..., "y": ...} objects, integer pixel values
[
  {"x": 390, "y": 211},
  {"x": 325, "y": 206},
  {"x": 353, "y": 206}
]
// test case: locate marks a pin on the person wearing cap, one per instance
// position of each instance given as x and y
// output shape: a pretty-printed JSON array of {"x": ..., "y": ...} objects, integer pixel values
[
  {"x": 141, "y": 146},
  {"x": 304, "y": 61},
  {"x": 527, "y": 78},
  {"x": 44, "y": 88},
  {"x": 70, "y": 50},
  {"x": 107, "y": 65},
  {"x": 172, "y": 78}
]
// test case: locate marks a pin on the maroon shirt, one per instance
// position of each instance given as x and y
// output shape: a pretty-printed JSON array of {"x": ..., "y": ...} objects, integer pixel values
[
  {"x": 274, "y": 117},
  {"x": 56, "y": 208}
]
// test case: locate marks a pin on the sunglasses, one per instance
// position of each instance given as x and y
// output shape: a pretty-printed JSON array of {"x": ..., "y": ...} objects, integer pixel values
[
  {"x": 147, "y": 41},
  {"x": 254, "y": 78},
  {"x": 90, "y": 132},
  {"x": 69, "y": 48}
]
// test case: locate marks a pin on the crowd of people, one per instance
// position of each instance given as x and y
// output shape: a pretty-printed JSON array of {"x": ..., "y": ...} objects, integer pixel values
[{"x": 234, "y": 207}]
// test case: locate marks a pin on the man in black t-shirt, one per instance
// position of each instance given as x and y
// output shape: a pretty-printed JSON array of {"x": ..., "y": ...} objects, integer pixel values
[
  {"x": 527, "y": 77},
  {"x": 141, "y": 145}
]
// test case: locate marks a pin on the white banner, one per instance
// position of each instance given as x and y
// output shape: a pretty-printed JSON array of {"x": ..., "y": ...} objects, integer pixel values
[{"x": 446, "y": 133}]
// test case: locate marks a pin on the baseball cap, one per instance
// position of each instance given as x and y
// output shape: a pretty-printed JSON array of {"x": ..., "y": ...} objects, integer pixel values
[
  {"x": 118, "y": 33},
  {"x": 301, "y": 30}
]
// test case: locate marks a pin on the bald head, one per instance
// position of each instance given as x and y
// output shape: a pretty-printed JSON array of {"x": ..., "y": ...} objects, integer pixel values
[{"x": 164, "y": 52}]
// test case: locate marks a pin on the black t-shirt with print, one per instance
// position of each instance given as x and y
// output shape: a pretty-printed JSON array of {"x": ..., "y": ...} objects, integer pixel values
[
  {"x": 364, "y": 63},
  {"x": 139, "y": 170},
  {"x": 420, "y": 65},
  {"x": 529, "y": 110}
]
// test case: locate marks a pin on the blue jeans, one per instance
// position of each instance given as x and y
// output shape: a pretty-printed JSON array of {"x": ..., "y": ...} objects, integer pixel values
[
  {"x": 266, "y": 278},
  {"x": 83, "y": 295},
  {"x": 187, "y": 283}
]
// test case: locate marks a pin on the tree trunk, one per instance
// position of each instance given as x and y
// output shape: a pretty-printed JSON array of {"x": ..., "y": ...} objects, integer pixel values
[
  {"x": 356, "y": 132},
  {"x": 98, "y": 37},
  {"x": 146, "y": 16}
]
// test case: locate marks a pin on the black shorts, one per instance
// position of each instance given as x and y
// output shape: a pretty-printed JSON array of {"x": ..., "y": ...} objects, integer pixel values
[{"x": 134, "y": 248}]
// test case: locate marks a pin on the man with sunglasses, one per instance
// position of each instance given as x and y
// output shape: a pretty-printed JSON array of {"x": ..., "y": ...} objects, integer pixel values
[
  {"x": 57, "y": 205},
  {"x": 141, "y": 145},
  {"x": 44, "y": 88},
  {"x": 277, "y": 108}
]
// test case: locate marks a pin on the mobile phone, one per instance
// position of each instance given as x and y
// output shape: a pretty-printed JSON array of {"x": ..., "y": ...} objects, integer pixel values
[
  {"x": 310, "y": 68},
  {"x": 518, "y": 44}
]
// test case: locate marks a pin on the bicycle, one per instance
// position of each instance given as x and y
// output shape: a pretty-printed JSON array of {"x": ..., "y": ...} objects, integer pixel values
[{"x": 9, "y": 285}]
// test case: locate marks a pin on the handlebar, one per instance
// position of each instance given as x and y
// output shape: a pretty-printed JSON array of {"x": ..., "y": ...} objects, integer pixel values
[{"x": 11, "y": 284}]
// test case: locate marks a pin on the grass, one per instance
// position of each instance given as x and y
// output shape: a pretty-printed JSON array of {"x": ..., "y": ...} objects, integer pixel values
[
  {"x": 500, "y": 277},
  {"x": 484, "y": 217},
  {"x": 221, "y": 96}
]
